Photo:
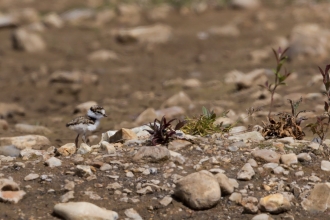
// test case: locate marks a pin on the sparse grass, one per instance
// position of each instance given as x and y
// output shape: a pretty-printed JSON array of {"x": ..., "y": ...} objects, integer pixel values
[{"x": 204, "y": 124}]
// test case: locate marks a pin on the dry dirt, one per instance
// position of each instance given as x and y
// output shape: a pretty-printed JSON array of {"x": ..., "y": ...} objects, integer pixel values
[{"x": 24, "y": 79}]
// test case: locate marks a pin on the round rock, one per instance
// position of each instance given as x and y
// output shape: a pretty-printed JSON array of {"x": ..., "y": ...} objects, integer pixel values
[{"x": 198, "y": 190}]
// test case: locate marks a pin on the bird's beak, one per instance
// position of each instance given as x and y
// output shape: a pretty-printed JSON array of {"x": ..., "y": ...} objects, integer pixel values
[{"x": 105, "y": 115}]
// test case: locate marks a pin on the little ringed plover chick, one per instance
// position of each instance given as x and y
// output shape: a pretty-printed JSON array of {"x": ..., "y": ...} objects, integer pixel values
[{"x": 85, "y": 124}]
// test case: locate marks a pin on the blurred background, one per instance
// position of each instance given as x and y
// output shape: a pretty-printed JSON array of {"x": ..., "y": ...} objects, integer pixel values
[{"x": 148, "y": 58}]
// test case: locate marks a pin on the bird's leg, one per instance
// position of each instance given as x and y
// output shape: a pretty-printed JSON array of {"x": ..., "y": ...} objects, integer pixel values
[
  {"x": 84, "y": 138},
  {"x": 76, "y": 141}
]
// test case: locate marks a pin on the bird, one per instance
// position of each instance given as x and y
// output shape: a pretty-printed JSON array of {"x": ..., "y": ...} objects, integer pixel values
[{"x": 85, "y": 124}]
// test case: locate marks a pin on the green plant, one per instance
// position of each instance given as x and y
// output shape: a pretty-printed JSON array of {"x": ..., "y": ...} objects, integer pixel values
[
  {"x": 279, "y": 78},
  {"x": 204, "y": 124},
  {"x": 321, "y": 126},
  {"x": 162, "y": 132}
]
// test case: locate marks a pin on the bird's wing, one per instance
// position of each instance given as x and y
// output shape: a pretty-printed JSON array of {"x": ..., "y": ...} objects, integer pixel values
[{"x": 80, "y": 120}]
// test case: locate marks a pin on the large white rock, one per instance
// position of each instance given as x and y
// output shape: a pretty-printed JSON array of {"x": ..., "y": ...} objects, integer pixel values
[
  {"x": 198, "y": 190},
  {"x": 28, "y": 141},
  {"x": 83, "y": 211}
]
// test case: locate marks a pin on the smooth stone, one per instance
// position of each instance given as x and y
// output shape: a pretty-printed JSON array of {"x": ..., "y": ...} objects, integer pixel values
[
  {"x": 275, "y": 204},
  {"x": 109, "y": 148},
  {"x": 10, "y": 109},
  {"x": 166, "y": 201},
  {"x": 262, "y": 217},
  {"x": 265, "y": 155},
  {"x": 198, "y": 190},
  {"x": 36, "y": 142},
  {"x": 278, "y": 170},
  {"x": 105, "y": 167},
  {"x": 75, "y": 16},
  {"x": 177, "y": 145},
  {"x": 31, "y": 176},
  {"x": 304, "y": 157},
  {"x": 84, "y": 170},
  {"x": 170, "y": 112},
  {"x": 32, "y": 129},
  {"x": 225, "y": 31},
  {"x": 29, "y": 41},
  {"x": 53, "y": 20},
  {"x": 253, "y": 163},
  {"x": 83, "y": 211},
  {"x": 318, "y": 200},
  {"x": 270, "y": 165},
  {"x": 299, "y": 173},
  {"x": 53, "y": 162},
  {"x": 84, "y": 149},
  {"x": 67, "y": 196},
  {"x": 176, "y": 157},
  {"x": 236, "y": 197},
  {"x": 179, "y": 99},
  {"x": 244, "y": 4},
  {"x": 286, "y": 140},
  {"x": 325, "y": 165},
  {"x": 246, "y": 172},
  {"x": 132, "y": 214},
  {"x": 252, "y": 136},
  {"x": 158, "y": 33},
  {"x": 289, "y": 159},
  {"x": 225, "y": 185},
  {"x": 146, "y": 116},
  {"x": 152, "y": 154},
  {"x": 10, "y": 150},
  {"x": 102, "y": 55}
]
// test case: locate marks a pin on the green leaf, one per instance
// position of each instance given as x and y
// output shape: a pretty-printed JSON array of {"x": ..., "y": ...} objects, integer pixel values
[{"x": 205, "y": 111}]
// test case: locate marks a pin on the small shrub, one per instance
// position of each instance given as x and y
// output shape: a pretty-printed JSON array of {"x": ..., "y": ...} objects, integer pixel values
[{"x": 162, "y": 132}]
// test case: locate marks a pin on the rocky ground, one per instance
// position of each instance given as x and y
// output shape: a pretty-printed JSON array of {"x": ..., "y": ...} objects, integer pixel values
[{"x": 142, "y": 61}]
